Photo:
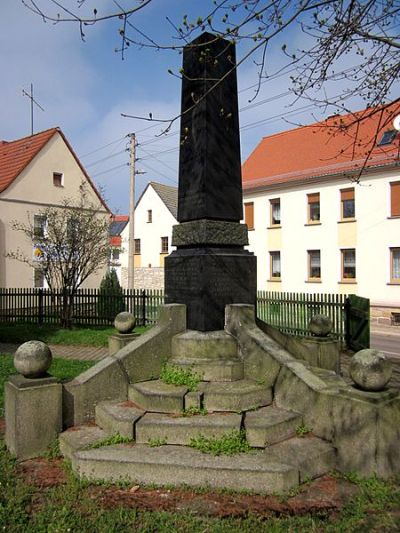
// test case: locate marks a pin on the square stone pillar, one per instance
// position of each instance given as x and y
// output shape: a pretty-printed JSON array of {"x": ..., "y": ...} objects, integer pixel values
[{"x": 33, "y": 409}]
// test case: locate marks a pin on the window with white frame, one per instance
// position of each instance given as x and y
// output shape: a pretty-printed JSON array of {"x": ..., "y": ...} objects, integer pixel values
[
  {"x": 164, "y": 245},
  {"x": 39, "y": 226},
  {"x": 347, "y": 200},
  {"x": 395, "y": 265},
  {"x": 275, "y": 212},
  {"x": 348, "y": 264},
  {"x": 314, "y": 214},
  {"x": 314, "y": 265},
  {"x": 137, "y": 247},
  {"x": 275, "y": 265}
]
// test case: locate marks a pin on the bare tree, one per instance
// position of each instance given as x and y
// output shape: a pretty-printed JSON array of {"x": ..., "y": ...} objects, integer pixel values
[
  {"x": 70, "y": 243},
  {"x": 366, "y": 30}
]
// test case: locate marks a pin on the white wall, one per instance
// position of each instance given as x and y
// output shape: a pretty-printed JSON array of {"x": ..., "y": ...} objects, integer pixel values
[
  {"x": 371, "y": 234},
  {"x": 30, "y": 192},
  {"x": 149, "y": 233}
]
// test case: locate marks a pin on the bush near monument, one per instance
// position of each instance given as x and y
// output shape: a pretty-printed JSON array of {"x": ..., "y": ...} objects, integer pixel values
[{"x": 110, "y": 300}]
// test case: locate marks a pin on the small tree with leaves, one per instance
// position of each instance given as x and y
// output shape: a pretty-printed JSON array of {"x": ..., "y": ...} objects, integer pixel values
[
  {"x": 71, "y": 244},
  {"x": 111, "y": 299}
]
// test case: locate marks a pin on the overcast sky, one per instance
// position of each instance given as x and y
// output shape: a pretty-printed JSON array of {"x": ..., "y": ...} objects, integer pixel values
[{"x": 84, "y": 87}]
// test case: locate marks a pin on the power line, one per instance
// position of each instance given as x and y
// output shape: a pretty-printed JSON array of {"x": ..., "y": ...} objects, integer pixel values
[
  {"x": 105, "y": 158},
  {"x": 110, "y": 170},
  {"x": 146, "y": 165},
  {"x": 102, "y": 147}
]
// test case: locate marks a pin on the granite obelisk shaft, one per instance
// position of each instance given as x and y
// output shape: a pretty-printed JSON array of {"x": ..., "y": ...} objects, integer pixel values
[{"x": 210, "y": 267}]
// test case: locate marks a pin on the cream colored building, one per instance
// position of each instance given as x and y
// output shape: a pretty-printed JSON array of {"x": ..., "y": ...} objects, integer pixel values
[
  {"x": 37, "y": 172},
  {"x": 323, "y": 216},
  {"x": 155, "y": 215}
]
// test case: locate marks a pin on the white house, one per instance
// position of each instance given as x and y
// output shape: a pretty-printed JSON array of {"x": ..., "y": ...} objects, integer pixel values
[
  {"x": 322, "y": 204},
  {"x": 155, "y": 214},
  {"x": 36, "y": 172}
]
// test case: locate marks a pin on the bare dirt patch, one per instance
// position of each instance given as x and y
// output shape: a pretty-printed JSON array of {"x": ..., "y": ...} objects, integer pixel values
[
  {"x": 42, "y": 473},
  {"x": 325, "y": 495}
]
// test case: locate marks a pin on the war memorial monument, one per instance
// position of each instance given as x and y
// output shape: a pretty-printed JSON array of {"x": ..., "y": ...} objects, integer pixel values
[{"x": 253, "y": 379}]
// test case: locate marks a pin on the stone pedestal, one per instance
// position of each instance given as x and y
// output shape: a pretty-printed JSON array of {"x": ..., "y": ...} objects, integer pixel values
[
  {"x": 119, "y": 340},
  {"x": 33, "y": 409},
  {"x": 206, "y": 280}
]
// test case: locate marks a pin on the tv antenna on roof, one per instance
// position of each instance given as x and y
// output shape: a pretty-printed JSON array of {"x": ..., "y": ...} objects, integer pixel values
[{"x": 33, "y": 101}]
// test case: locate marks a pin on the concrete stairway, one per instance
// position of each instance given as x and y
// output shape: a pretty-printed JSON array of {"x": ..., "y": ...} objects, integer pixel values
[{"x": 155, "y": 414}]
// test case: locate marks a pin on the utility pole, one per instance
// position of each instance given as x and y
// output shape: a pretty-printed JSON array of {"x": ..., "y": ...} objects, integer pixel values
[
  {"x": 131, "y": 243},
  {"x": 33, "y": 101}
]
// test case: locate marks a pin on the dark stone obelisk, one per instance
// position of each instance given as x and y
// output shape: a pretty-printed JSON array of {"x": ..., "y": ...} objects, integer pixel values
[{"x": 210, "y": 267}]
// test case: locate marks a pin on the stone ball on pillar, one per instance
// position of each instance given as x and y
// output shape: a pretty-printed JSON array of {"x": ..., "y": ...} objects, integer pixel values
[
  {"x": 370, "y": 370},
  {"x": 32, "y": 359},
  {"x": 320, "y": 325},
  {"x": 124, "y": 322}
]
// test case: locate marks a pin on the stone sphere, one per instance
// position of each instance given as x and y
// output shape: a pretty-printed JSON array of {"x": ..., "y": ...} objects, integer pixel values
[
  {"x": 124, "y": 322},
  {"x": 32, "y": 359},
  {"x": 370, "y": 370},
  {"x": 320, "y": 325}
]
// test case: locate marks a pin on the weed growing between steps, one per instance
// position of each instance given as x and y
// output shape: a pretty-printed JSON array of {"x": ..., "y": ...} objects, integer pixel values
[
  {"x": 109, "y": 441},
  {"x": 302, "y": 430},
  {"x": 173, "y": 375},
  {"x": 230, "y": 444},
  {"x": 194, "y": 411},
  {"x": 154, "y": 443}
]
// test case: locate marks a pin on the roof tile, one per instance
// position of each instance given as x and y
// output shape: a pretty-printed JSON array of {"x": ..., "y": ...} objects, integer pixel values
[
  {"x": 323, "y": 148},
  {"x": 16, "y": 155}
]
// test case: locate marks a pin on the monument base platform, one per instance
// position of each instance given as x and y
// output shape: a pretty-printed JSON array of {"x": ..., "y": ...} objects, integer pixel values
[{"x": 208, "y": 279}]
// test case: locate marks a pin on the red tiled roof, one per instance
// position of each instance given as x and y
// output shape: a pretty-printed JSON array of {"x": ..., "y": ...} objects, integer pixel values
[
  {"x": 323, "y": 148},
  {"x": 115, "y": 240},
  {"x": 16, "y": 155},
  {"x": 120, "y": 218}
]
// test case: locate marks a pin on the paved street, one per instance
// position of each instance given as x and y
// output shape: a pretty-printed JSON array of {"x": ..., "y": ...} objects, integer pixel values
[{"x": 386, "y": 339}]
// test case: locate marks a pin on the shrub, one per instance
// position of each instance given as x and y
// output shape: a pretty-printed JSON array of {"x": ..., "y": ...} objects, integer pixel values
[{"x": 110, "y": 300}]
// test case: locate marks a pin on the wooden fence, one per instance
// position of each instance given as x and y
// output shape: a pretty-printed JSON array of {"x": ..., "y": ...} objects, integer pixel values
[
  {"x": 89, "y": 306},
  {"x": 289, "y": 312}
]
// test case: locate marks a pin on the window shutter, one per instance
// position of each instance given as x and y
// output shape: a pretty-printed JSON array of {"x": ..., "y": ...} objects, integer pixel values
[
  {"x": 347, "y": 194},
  {"x": 249, "y": 215},
  {"x": 395, "y": 199},
  {"x": 312, "y": 198}
]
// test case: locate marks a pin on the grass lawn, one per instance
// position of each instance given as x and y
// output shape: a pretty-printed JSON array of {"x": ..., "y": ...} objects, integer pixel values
[
  {"x": 21, "y": 332},
  {"x": 77, "y": 506},
  {"x": 43, "y": 495}
]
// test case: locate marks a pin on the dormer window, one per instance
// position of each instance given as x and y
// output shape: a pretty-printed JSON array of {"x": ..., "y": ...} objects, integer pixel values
[
  {"x": 58, "y": 179},
  {"x": 388, "y": 137}
]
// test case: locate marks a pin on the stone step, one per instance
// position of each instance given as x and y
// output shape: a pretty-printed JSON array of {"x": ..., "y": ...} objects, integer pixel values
[
  {"x": 235, "y": 396},
  {"x": 155, "y": 395},
  {"x": 312, "y": 456},
  {"x": 211, "y": 370},
  {"x": 181, "y": 429},
  {"x": 213, "y": 355},
  {"x": 118, "y": 417},
  {"x": 270, "y": 425},
  {"x": 181, "y": 465},
  {"x": 77, "y": 438}
]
